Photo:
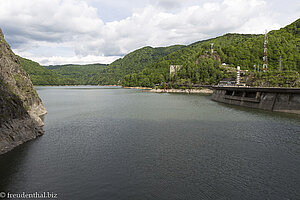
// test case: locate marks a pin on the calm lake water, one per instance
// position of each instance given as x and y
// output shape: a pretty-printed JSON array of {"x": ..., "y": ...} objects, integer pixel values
[{"x": 108, "y": 143}]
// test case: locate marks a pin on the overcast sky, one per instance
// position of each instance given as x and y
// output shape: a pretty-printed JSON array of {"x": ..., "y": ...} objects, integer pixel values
[{"x": 100, "y": 31}]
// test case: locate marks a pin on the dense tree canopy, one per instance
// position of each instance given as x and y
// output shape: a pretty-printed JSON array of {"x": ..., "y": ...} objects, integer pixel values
[
  {"x": 40, "y": 75},
  {"x": 201, "y": 66},
  {"x": 79, "y": 74},
  {"x": 95, "y": 74}
]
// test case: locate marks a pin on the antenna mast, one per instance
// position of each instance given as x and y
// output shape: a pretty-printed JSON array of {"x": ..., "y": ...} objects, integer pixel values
[
  {"x": 265, "y": 58},
  {"x": 280, "y": 64}
]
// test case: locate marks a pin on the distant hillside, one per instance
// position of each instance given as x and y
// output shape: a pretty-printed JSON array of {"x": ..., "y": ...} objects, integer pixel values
[
  {"x": 79, "y": 74},
  {"x": 95, "y": 74},
  {"x": 40, "y": 75},
  {"x": 133, "y": 62},
  {"x": 201, "y": 67}
]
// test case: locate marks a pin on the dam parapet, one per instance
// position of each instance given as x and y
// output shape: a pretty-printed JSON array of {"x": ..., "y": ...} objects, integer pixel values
[{"x": 273, "y": 99}]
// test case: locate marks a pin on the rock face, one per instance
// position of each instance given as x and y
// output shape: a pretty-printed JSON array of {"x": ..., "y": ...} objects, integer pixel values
[{"x": 20, "y": 105}]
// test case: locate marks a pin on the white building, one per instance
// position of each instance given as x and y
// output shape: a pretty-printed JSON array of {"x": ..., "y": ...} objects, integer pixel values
[{"x": 174, "y": 69}]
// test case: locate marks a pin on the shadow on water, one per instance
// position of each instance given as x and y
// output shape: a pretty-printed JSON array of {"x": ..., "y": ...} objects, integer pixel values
[{"x": 11, "y": 164}]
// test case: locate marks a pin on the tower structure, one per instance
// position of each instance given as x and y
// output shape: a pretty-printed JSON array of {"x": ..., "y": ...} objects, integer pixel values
[
  {"x": 238, "y": 75},
  {"x": 265, "y": 58},
  {"x": 280, "y": 64},
  {"x": 211, "y": 48}
]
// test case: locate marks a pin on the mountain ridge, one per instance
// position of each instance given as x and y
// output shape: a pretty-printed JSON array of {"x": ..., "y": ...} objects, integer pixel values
[
  {"x": 245, "y": 50},
  {"x": 151, "y": 65}
]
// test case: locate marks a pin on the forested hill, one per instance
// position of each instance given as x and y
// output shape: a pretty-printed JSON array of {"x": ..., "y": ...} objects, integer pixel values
[
  {"x": 79, "y": 74},
  {"x": 133, "y": 62},
  {"x": 61, "y": 74},
  {"x": 201, "y": 66},
  {"x": 39, "y": 75},
  {"x": 95, "y": 74},
  {"x": 149, "y": 66}
]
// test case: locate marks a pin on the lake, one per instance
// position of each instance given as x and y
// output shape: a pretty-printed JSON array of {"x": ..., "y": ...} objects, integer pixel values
[{"x": 114, "y": 143}]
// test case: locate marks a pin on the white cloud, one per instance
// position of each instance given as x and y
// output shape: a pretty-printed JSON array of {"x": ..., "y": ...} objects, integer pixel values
[
  {"x": 54, "y": 60},
  {"x": 76, "y": 25}
]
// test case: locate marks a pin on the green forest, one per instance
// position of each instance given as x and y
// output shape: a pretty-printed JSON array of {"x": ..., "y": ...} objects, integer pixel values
[
  {"x": 95, "y": 74},
  {"x": 133, "y": 62},
  {"x": 200, "y": 66},
  {"x": 149, "y": 66},
  {"x": 79, "y": 74},
  {"x": 40, "y": 75}
]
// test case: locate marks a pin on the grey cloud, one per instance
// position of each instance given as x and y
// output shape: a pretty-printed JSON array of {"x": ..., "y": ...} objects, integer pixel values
[
  {"x": 77, "y": 25},
  {"x": 169, "y": 4}
]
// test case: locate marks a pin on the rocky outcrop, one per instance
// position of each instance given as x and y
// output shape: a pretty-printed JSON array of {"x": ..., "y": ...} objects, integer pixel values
[{"x": 20, "y": 105}]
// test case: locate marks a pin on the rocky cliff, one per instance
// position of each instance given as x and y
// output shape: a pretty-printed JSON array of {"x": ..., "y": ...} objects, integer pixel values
[{"x": 20, "y": 105}]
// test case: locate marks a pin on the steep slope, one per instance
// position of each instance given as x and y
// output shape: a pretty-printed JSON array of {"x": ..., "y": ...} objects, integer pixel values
[
  {"x": 134, "y": 62},
  {"x": 40, "y": 75},
  {"x": 20, "y": 106},
  {"x": 245, "y": 50}
]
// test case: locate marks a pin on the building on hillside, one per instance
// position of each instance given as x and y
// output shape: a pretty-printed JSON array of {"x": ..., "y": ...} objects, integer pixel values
[{"x": 174, "y": 69}]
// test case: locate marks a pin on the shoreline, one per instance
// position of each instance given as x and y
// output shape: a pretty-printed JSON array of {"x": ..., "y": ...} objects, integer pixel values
[
  {"x": 139, "y": 88},
  {"x": 181, "y": 91},
  {"x": 185, "y": 91},
  {"x": 77, "y": 85}
]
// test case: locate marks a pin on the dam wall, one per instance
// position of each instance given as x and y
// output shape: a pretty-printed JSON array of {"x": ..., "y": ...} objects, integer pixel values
[{"x": 273, "y": 99}]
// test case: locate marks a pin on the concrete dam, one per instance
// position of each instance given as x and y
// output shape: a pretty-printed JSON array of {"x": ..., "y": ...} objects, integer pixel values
[{"x": 273, "y": 99}]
